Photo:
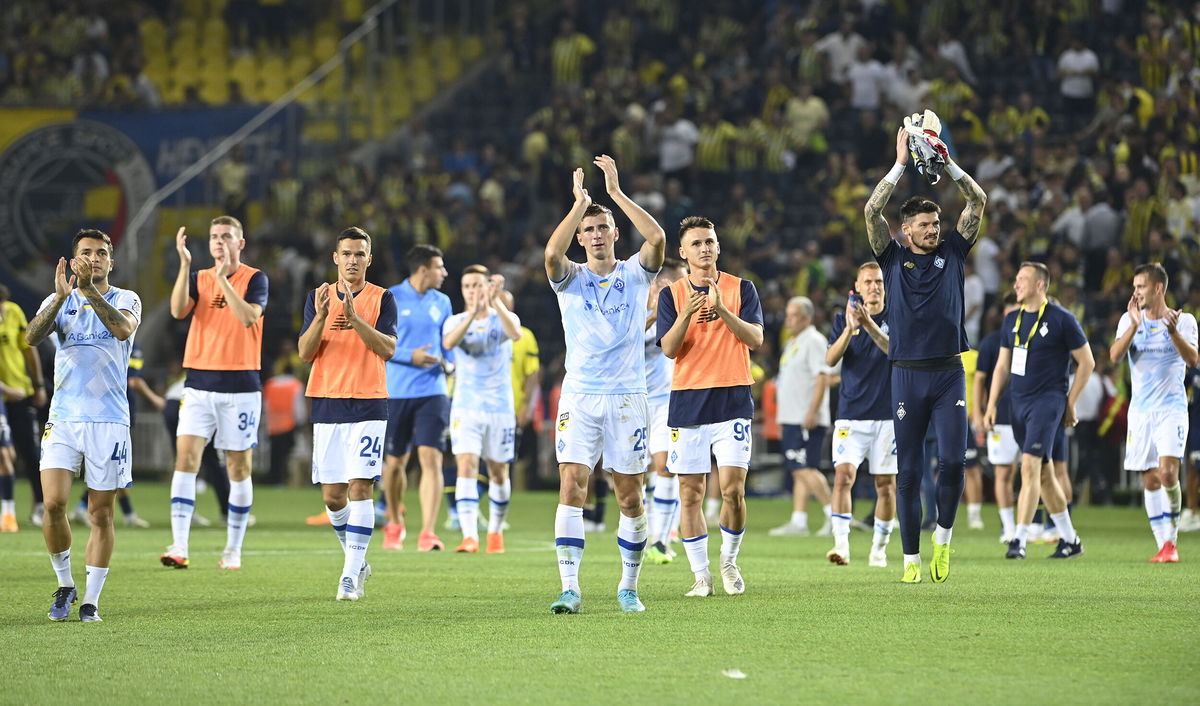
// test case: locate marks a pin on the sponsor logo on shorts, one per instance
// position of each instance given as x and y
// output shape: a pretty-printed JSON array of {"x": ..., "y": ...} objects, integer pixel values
[
  {"x": 674, "y": 435},
  {"x": 561, "y": 445},
  {"x": 46, "y": 433},
  {"x": 564, "y": 420},
  {"x": 843, "y": 433}
]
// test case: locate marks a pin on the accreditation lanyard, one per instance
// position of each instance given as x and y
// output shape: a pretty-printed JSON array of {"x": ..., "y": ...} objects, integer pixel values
[{"x": 1021, "y": 352}]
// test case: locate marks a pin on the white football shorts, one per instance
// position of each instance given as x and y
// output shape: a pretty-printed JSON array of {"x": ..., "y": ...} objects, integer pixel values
[
  {"x": 612, "y": 426},
  {"x": 872, "y": 439},
  {"x": 1154, "y": 435},
  {"x": 102, "y": 448},
  {"x": 693, "y": 448},
  {"x": 347, "y": 451},
  {"x": 232, "y": 416},
  {"x": 488, "y": 435}
]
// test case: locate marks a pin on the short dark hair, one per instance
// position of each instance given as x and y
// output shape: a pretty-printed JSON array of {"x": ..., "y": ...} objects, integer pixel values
[
  {"x": 694, "y": 222},
  {"x": 593, "y": 209},
  {"x": 1154, "y": 271},
  {"x": 93, "y": 234},
  {"x": 229, "y": 221},
  {"x": 355, "y": 233},
  {"x": 420, "y": 256},
  {"x": 476, "y": 270},
  {"x": 1043, "y": 272},
  {"x": 915, "y": 205}
]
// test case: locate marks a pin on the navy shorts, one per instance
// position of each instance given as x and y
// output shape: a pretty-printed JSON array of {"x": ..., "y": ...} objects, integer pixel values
[
  {"x": 417, "y": 421},
  {"x": 1037, "y": 423},
  {"x": 1059, "y": 451},
  {"x": 801, "y": 447}
]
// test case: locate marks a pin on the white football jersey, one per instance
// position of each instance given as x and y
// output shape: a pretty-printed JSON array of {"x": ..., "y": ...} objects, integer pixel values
[
  {"x": 91, "y": 367},
  {"x": 1155, "y": 366},
  {"x": 482, "y": 365},
  {"x": 604, "y": 321},
  {"x": 658, "y": 369}
]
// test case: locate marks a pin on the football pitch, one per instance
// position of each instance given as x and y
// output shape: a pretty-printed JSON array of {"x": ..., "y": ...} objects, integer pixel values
[{"x": 441, "y": 627}]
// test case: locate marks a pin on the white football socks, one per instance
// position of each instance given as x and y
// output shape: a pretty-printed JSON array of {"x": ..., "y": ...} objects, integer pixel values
[
  {"x": 697, "y": 554},
  {"x": 359, "y": 527},
  {"x": 1062, "y": 520},
  {"x": 568, "y": 542},
  {"x": 183, "y": 505},
  {"x": 62, "y": 567},
  {"x": 731, "y": 543},
  {"x": 241, "y": 498},
  {"x": 95, "y": 584},
  {"x": 466, "y": 495},
  {"x": 338, "y": 520},
  {"x": 631, "y": 541},
  {"x": 499, "y": 495}
]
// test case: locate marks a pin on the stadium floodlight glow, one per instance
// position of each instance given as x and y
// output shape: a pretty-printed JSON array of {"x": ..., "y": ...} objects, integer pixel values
[{"x": 925, "y": 144}]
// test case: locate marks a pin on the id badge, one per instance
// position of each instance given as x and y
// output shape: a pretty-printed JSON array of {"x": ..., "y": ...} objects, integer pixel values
[{"x": 1018, "y": 360}]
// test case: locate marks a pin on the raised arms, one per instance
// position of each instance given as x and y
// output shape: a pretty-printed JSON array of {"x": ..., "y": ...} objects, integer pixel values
[
  {"x": 560, "y": 239},
  {"x": 651, "y": 254},
  {"x": 878, "y": 231},
  {"x": 968, "y": 221}
]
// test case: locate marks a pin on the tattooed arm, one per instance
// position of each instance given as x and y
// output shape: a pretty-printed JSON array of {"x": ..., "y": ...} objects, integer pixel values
[
  {"x": 878, "y": 231},
  {"x": 968, "y": 222},
  {"x": 119, "y": 324},
  {"x": 43, "y": 323}
]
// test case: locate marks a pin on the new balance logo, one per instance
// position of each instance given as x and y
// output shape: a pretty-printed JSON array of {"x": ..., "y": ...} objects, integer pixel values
[
  {"x": 218, "y": 302},
  {"x": 707, "y": 314},
  {"x": 340, "y": 324},
  {"x": 960, "y": 403}
]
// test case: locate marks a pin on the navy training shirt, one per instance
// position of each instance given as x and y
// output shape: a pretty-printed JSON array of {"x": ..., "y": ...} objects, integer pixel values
[
  {"x": 989, "y": 353},
  {"x": 866, "y": 390},
  {"x": 925, "y": 299},
  {"x": 328, "y": 410},
  {"x": 689, "y": 408},
  {"x": 1048, "y": 362}
]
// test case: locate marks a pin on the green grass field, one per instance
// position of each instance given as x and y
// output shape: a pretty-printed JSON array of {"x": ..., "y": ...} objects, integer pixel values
[{"x": 447, "y": 628}]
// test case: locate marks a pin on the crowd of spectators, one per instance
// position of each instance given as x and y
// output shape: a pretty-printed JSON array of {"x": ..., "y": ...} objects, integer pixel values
[
  {"x": 73, "y": 53},
  {"x": 1079, "y": 119},
  {"x": 1081, "y": 125}
]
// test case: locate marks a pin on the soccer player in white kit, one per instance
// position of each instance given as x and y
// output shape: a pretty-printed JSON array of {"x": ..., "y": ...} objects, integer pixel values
[
  {"x": 482, "y": 422},
  {"x": 665, "y": 505},
  {"x": 602, "y": 410},
  {"x": 94, "y": 324},
  {"x": 1161, "y": 344}
]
